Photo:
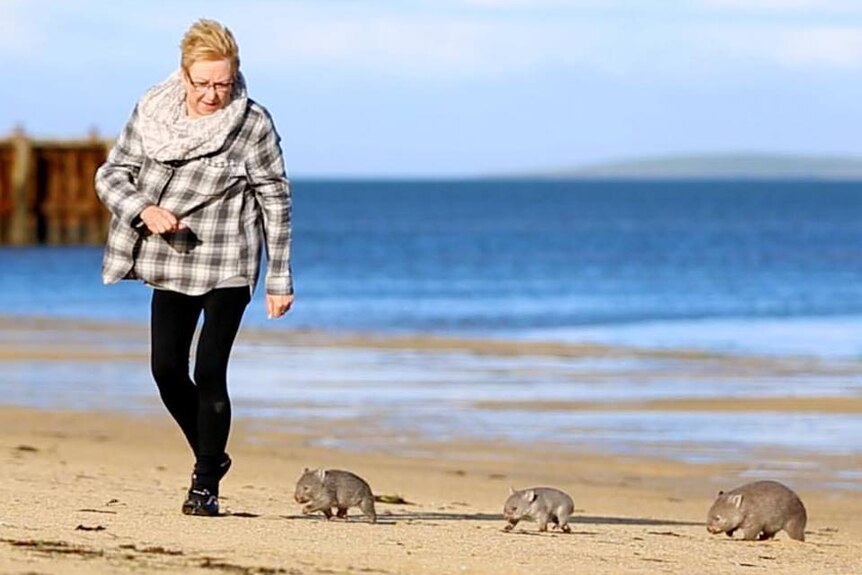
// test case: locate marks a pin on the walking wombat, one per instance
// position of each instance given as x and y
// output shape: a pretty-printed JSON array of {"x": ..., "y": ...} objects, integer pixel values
[
  {"x": 760, "y": 509},
  {"x": 540, "y": 504},
  {"x": 325, "y": 489}
]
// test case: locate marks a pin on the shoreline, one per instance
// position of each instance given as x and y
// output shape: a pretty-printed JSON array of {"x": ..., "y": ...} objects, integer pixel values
[
  {"x": 774, "y": 415},
  {"x": 581, "y": 341},
  {"x": 89, "y": 492}
]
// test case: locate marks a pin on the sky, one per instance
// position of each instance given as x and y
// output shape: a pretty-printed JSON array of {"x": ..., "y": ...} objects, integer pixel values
[{"x": 460, "y": 88}]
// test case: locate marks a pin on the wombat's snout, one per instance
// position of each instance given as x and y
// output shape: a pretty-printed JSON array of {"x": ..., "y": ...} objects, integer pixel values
[
  {"x": 300, "y": 499},
  {"x": 713, "y": 529}
]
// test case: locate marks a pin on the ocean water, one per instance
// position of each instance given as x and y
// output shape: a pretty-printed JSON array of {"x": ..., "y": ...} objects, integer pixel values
[
  {"x": 766, "y": 267},
  {"x": 752, "y": 268}
]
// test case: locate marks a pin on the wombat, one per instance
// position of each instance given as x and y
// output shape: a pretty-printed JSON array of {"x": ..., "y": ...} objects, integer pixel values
[
  {"x": 760, "y": 509},
  {"x": 540, "y": 504},
  {"x": 325, "y": 489}
]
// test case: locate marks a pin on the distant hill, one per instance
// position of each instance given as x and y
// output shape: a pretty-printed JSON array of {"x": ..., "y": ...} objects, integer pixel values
[{"x": 724, "y": 166}]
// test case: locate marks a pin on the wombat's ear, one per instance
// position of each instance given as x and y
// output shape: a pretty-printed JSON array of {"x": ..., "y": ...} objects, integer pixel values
[
  {"x": 305, "y": 470},
  {"x": 511, "y": 490},
  {"x": 720, "y": 493},
  {"x": 321, "y": 473},
  {"x": 530, "y": 495},
  {"x": 737, "y": 500}
]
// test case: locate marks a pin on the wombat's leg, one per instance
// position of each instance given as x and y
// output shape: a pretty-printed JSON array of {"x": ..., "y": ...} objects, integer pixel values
[
  {"x": 764, "y": 535},
  {"x": 511, "y": 525},
  {"x": 542, "y": 520},
  {"x": 555, "y": 522},
  {"x": 750, "y": 532},
  {"x": 367, "y": 507},
  {"x": 564, "y": 525},
  {"x": 327, "y": 512},
  {"x": 795, "y": 529},
  {"x": 312, "y": 507},
  {"x": 342, "y": 513}
]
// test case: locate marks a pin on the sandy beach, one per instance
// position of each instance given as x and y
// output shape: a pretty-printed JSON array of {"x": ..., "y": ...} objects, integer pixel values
[
  {"x": 97, "y": 491},
  {"x": 88, "y": 493}
]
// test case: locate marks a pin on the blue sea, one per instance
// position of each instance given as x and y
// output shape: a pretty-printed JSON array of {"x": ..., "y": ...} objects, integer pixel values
[
  {"x": 766, "y": 269},
  {"x": 759, "y": 266}
]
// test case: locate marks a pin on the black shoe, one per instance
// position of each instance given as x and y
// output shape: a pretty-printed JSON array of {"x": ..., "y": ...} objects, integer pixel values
[
  {"x": 224, "y": 466},
  {"x": 200, "y": 502},
  {"x": 210, "y": 478}
]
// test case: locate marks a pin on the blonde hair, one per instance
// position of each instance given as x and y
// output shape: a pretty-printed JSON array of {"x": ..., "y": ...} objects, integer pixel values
[{"x": 208, "y": 40}]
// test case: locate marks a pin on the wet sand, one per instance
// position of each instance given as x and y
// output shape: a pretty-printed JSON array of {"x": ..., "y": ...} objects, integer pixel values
[
  {"x": 810, "y": 404},
  {"x": 100, "y": 492}
]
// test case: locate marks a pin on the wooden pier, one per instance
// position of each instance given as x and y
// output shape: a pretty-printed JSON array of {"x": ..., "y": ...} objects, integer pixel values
[{"x": 47, "y": 191}]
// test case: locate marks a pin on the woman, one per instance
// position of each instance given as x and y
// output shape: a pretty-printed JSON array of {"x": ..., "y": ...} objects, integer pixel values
[{"x": 196, "y": 186}]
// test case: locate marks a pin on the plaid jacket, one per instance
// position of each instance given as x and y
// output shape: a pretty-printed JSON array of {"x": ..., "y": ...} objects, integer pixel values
[{"x": 232, "y": 202}]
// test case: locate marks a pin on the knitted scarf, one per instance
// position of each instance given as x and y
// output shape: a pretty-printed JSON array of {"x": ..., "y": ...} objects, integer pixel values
[{"x": 168, "y": 133}]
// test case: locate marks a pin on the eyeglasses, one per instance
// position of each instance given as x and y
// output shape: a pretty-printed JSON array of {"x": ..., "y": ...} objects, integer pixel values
[{"x": 204, "y": 87}]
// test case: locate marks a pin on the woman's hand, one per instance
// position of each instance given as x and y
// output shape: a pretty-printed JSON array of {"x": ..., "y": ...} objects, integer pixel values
[
  {"x": 161, "y": 221},
  {"x": 277, "y": 305}
]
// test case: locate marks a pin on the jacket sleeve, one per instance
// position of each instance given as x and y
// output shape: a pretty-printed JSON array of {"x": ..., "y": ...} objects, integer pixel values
[
  {"x": 116, "y": 178},
  {"x": 268, "y": 179}
]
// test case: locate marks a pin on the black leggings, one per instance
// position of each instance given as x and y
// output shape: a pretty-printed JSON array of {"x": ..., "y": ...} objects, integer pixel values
[{"x": 200, "y": 407}]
